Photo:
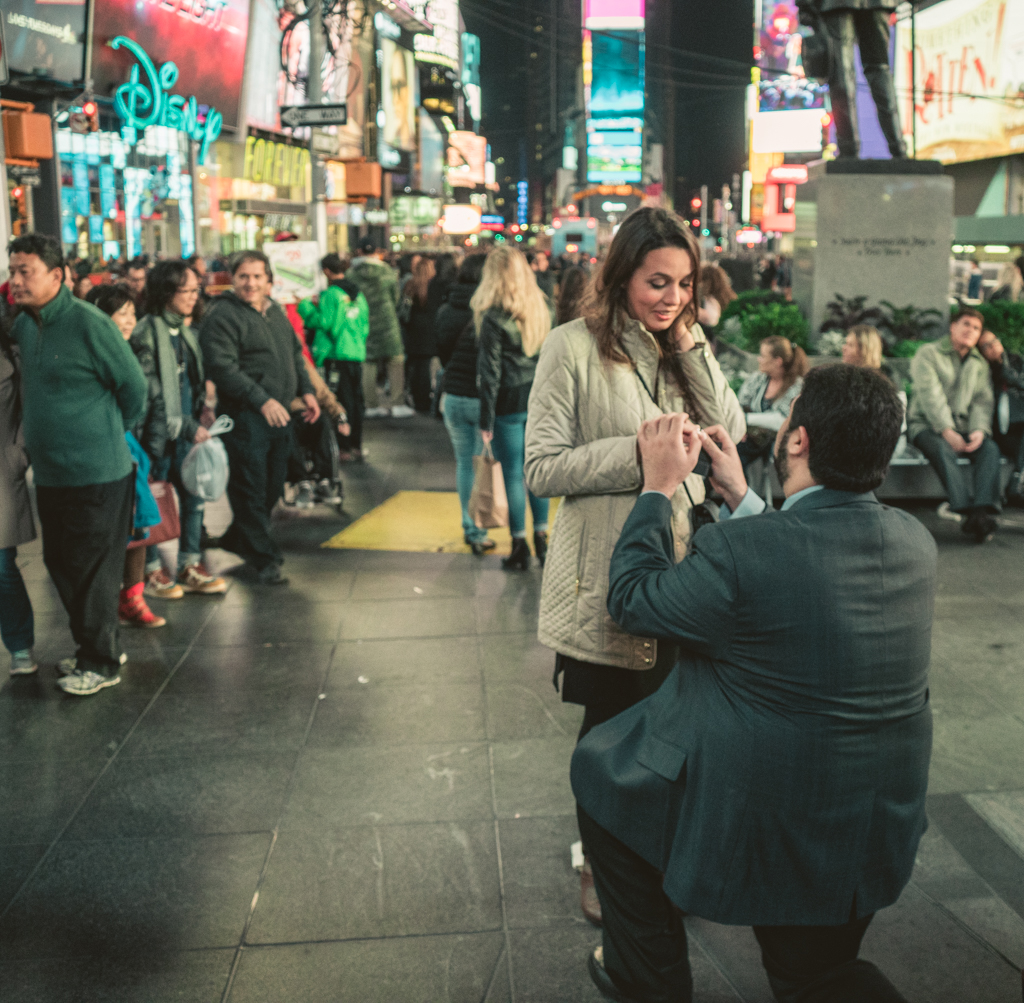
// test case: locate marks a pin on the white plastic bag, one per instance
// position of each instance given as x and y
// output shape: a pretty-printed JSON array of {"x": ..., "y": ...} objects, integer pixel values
[{"x": 205, "y": 470}]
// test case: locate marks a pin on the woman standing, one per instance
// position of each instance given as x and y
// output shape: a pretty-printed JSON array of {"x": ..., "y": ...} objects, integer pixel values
[
  {"x": 636, "y": 354},
  {"x": 781, "y": 367},
  {"x": 571, "y": 292},
  {"x": 172, "y": 290},
  {"x": 716, "y": 293},
  {"x": 420, "y": 345},
  {"x": 512, "y": 320},
  {"x": 457, "y": 349}
]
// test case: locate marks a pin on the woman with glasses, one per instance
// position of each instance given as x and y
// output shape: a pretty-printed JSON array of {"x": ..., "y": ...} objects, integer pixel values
[{"x": 170, "y": 304}]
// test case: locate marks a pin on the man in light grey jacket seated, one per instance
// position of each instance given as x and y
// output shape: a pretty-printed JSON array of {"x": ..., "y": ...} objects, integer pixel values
[{"x": 950, "y": 418}]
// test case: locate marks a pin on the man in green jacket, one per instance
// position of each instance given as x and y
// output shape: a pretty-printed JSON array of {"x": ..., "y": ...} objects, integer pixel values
[
  {"x": 82, "y": 388},
  {"x": 252, "y": 355},
  {"x": 384, "y": 350},
  {"x": 950, "y": 418}
]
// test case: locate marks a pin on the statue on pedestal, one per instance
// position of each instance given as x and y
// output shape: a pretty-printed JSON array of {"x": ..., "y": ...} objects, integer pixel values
[{"x": 865, "y": 23}]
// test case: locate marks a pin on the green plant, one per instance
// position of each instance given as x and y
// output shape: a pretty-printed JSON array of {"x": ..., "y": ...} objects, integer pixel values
[
  {"x": 906, "y": 349},
  {"x": 783, "y": 319},
  {"x": 910, "y": 323},
  {"x": 1005, "y": 319},
  {"x": 843, "y": 313},
  {"x": 747, "y": 302}
]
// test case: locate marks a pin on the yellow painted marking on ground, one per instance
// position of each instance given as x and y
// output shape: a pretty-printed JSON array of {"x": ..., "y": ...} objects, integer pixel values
[{"x": 420, "y": 522}]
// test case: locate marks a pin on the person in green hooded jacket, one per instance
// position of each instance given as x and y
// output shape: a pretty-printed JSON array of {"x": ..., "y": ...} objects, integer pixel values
[{"x": 340, "y": 320}]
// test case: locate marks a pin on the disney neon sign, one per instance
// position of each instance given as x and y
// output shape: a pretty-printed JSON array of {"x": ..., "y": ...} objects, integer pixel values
[{"x": 140, "y": 106}]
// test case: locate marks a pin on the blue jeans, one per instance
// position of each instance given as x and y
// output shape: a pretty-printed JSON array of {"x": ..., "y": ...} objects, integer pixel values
[
  {"x": 191, "y": 508},
  {"x": 17, "y": 626},
  {"x": 462, "y": 419},
  {"x": 510, "y": 451}
]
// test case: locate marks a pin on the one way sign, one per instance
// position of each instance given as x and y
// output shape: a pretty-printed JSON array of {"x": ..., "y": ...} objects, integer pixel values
[{"x": 297, "y": 115}]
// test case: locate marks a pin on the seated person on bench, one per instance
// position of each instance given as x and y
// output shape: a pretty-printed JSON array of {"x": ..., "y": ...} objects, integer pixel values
[
  {"x": 1008, "y": 384},
  {"x": 950, "y": 417}
]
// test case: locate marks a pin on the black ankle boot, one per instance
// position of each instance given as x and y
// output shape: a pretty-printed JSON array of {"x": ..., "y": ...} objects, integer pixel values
[
  {"x": 540, "y": 546},
  {"x": 519, "y": 559}
]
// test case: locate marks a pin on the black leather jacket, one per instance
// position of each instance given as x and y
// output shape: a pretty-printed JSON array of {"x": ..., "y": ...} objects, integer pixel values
[{"x": 504, "y": 373}]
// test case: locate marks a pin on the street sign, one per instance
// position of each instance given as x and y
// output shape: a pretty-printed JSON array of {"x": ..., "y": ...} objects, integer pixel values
[{"x": 297, "y": 115}]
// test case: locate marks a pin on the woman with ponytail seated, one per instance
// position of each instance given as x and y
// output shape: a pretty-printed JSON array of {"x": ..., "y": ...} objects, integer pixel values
[{"x": 766, "y": 395}]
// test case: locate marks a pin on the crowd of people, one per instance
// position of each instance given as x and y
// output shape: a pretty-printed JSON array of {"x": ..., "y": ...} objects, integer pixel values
[{"x": 693, "y": 636}]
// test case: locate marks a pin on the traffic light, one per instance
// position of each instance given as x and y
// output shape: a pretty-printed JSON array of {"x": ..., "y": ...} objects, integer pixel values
[
  {"x": 696, "y": 224},
  {"x": 695, "y": 204},
  {"x": 91, "y": 111}
]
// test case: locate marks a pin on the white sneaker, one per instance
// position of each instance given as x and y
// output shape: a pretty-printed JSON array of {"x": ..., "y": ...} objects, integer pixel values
[
  {"x": 22, "y": 663},
  {"x": 376, "y": 412},
  {"x": 68, "y": 665},
  {"x": 402, "y": 411},
  {"x": 84, "y": 684},
  {"x": 327, "y": 493},
  {"x": 304, "y": 495},
  {"x": 945, "y": 512}
]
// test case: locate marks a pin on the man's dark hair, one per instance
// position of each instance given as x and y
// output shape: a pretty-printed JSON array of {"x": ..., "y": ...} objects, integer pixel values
[
  {"x": 853, "y": 418},
  {"x": 332, "y": 263},
  {"x": 135, "y": 264},
  {"x": 109, "y": 297},
  {"x": 245, "y": 257},
  {"x": 166, "y": 278},
  {"x": 368, "y": 246},
  {"x": 968, "y": 311},
  {"x": 46, "y": 248},
  {"x": 471, "y": 269}
]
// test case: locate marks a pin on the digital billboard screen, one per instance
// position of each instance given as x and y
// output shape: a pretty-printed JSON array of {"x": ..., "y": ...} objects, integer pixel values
[
  {"x": 601, "y": 15},
  {"x": 185, "y": 32},
  {"x": 398, "y": 96},
  {"x": 969, "y": 79},
  {"x": 45, "y": 39},
  {"x": 616, "y": 111}
]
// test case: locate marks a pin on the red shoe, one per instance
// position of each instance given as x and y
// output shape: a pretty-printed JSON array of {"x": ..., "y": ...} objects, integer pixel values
[{"x": 132, "y": 610}]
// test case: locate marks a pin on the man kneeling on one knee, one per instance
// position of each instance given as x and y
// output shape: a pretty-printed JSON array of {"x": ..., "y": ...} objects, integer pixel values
[
  {"x": 950, "y": 418},
  {"x": 777, "y": 779}
]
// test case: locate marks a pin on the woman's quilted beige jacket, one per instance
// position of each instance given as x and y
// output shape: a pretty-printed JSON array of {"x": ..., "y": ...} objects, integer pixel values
[{"x": 581, "y": 445}]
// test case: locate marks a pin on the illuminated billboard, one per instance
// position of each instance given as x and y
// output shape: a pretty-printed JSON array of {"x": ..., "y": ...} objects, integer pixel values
[
  {"x": 181, "y": 32},
  {"x": 442, "y": 47},
  {"x": 615, "y": 115},
  {"x": 600, "y": 15},
  {"x": 969, "y": 76},
  {"x": 45, "y": 39},
  {"x": 467, "y": 159},
  {"x": 398, "y": 97}
]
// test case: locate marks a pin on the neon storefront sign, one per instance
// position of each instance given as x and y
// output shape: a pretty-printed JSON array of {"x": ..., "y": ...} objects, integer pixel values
[{"x": 141, "y": 104}]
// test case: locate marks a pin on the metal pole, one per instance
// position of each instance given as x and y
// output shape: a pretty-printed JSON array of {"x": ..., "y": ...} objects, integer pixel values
[
  {"x": 913, "y": 76},
  {"x": 5, "y": 210},
  {"x": 314, "y": 95}
]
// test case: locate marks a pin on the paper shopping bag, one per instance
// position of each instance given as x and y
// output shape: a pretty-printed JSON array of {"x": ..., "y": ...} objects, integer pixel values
[{"x": 488, "y": 504}]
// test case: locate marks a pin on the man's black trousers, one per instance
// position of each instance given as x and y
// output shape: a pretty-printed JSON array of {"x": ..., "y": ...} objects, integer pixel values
[
  {"x": 645, "y": 950},
  {"x": 85, "y": 535},
  {"x": 985, "y": 459},
  {"x": 258, "y": 456},
  {"x": 345, "y": 380}
]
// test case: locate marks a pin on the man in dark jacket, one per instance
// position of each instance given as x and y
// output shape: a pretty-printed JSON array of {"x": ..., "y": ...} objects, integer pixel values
[
  {"x": 1008, "y": 420},
  {"x": 866, "y": 23},
  {"x": 82, "y": 387},
  {"x": 252, "y": 355},
  {"x": 778, "y": 777}
]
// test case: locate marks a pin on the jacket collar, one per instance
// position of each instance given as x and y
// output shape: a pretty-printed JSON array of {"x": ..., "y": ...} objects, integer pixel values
[
  {"x": 60, "y": 303},
  {"x": 830, "y": 498},
  {"x": 945, "y": 345}
]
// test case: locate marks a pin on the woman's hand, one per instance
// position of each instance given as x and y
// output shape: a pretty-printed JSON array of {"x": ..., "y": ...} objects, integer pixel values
[
  {"x": 201, "y": 435},
  {"x": 684, "y": 339},
  {"x": 487, "y": 437}
]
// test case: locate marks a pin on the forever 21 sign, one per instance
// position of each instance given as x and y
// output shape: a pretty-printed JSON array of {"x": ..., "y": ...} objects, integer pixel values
[{"x": 274, "y": 163}]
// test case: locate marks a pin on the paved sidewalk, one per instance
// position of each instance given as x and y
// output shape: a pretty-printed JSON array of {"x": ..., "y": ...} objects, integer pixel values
[{"x": 356, "y": 789}]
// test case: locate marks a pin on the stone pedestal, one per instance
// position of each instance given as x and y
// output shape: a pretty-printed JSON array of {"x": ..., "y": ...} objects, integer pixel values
[{"x": 875, "y": 228}]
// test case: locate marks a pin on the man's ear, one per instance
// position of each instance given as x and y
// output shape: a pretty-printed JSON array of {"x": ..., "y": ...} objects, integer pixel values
[{"x": 799, "y": 443}]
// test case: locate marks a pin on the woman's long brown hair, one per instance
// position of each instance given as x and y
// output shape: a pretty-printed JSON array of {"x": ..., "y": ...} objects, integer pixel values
[{"x": 607, "y": 313}]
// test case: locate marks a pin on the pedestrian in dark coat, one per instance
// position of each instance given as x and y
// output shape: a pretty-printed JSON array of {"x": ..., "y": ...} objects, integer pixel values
[{"x": 778, "y": 777}]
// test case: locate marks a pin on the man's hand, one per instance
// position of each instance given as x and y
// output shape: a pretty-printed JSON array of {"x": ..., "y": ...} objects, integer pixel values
[
  {"x": 344, "y": 428},
  {"x": 974, "y": 441},
  {"x": 956, "y": 441},
  {"x": 312, "y": 411},
  {"x": 669, "y": 448},
  {"x": 487, "y": 437},
  {"x": 201, "y": 435},
  {"x": 727, "y": 476},
  {"x": 276, "y": 414}
]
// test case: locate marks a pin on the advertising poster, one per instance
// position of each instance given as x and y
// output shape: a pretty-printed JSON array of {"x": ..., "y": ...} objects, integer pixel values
[
  {"x": 467, "y": 159},
  {"x": 611, "y": 14},
  {"x": 296, "y": 265},
  {"x": 442, "y": 47},
  {"x": 969, "y": 78},
  {"x": 616, "y": 112},
  {"x": 431, "y": 154},
  {"x": 185, "y": 32},
  {"x": 45, "y": 39},
  {"x": 398, "y": 97}
]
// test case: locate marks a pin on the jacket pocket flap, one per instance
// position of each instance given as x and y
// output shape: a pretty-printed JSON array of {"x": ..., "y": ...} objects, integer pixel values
[{"x": 664, "y": 759}]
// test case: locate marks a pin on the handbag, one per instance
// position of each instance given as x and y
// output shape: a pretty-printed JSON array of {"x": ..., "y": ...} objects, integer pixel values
[
  {"x": 488, "y": 504},
  {"x": 169, "y": 527}
]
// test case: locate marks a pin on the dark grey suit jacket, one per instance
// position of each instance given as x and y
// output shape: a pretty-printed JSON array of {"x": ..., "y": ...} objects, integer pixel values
[{"x": 778, "y": 776}]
